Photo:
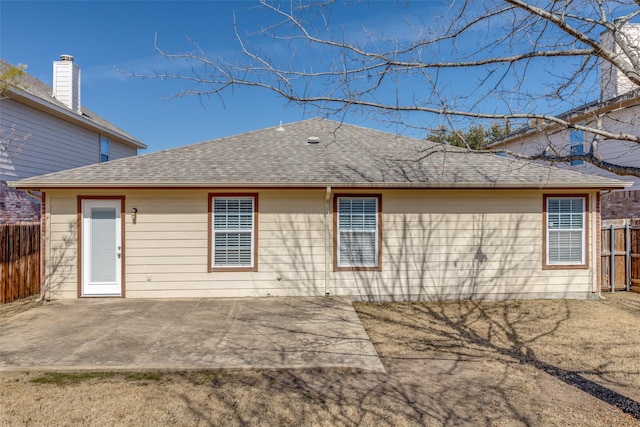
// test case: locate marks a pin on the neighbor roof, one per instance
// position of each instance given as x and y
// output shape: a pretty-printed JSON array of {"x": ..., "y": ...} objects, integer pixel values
[
  {"x": 27, "y": 88},
  {"x": 318, "y": 153},
  {"x": 575, "y": 115}
]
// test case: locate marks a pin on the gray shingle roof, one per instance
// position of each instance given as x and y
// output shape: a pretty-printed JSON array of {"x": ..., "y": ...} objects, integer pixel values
[
  {"x": 345, "y": 155},
  {"x": 42, "y": 91}
]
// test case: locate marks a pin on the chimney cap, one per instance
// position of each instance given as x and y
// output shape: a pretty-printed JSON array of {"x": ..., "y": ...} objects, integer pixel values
[{"x": 66, "y": 58}]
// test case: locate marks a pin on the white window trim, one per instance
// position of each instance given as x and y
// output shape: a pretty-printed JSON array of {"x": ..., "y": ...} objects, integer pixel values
[
  {"x": 549, "y": 230},
  {"x": 252, "y": 230},
  {"x": 375, "y": 231}
]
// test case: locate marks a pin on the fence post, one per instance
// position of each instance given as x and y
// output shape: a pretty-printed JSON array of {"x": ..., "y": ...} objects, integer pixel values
[
  {"x": 627, "y": 256},
  {"x": 612, "y": 260}
]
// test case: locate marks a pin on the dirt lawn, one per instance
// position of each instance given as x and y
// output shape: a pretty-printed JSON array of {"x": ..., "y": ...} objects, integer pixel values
[{"x": 530, "y": 363}]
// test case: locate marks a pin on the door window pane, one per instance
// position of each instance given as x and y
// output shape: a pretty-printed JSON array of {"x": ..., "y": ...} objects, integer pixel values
[{"x": 103, "y": 245}]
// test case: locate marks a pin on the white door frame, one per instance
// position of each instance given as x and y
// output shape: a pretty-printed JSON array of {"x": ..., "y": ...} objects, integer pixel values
[{"x": 112, "y": 282}]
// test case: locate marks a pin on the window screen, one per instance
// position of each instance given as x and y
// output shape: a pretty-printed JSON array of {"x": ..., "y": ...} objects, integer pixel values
[
  {"x": 233, "y": 232},
  {"x": 565, "y": 230},
  {"x": 357, "y": 232}
]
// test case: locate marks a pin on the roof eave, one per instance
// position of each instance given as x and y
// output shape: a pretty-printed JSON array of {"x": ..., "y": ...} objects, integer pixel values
[
  {"x": 395, "y": 185},
  {"x": 41, "y": 104}
]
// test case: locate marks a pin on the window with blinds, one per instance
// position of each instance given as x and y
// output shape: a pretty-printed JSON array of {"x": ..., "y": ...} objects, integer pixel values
[
  {"x": 233, "y": 232},
  {"x": 565, "y": 230},
  {"x": 357, "y": 232}
]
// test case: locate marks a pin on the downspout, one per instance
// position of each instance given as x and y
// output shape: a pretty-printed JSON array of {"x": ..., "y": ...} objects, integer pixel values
[
  {"x": 595, "y": 251},
  {"x": 31, "y": 194},
  {"x": 327, "y": 241}
]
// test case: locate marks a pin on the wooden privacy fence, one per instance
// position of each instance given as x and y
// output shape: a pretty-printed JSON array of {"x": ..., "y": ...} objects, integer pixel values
[
  {"x": 620, "y": 256},
  {"x": 19, "y": 261}
]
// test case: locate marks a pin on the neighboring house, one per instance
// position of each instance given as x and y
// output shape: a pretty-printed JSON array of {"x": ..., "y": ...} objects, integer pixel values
[
  {"x": 617, "y": 111},
  {"x": 44, "y": 130},
  {"x": 620, "y": 114},
  {"x": 321, "y": 208}
]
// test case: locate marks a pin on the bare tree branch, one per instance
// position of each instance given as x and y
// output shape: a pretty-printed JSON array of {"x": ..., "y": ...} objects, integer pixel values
[{"x": 529, "y": 61}]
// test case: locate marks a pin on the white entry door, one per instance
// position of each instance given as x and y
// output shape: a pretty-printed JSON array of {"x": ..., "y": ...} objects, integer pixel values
[{"x": 101, "y": 247}]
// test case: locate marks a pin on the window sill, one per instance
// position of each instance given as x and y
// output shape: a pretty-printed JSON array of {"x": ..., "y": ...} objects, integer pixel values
[
  {"x": 565, "y": 267},
  {"x": 231, "y": 269},
  {"x": 377, "y": 268}
]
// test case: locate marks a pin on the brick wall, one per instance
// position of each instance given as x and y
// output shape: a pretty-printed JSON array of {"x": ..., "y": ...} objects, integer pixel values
[
  {"x": 17, "y": 206},
  {"x": 620, "y": 204}
]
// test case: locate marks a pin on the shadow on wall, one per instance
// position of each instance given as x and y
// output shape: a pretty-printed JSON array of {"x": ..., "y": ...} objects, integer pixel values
[
  {"x": 61, "y": 262},
  {"x": 450, "y": 256},
  {"x": 300, "y": 265}
]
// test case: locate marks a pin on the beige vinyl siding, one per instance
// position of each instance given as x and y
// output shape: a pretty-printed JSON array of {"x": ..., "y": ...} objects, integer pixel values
[
  {"x": 48, "y": 144},
  {"x": 460, "y": 244},
  {"x": 166, "y": 250},
  {"x": 435, "y": 245},
  {"x": 61, "y": 245}
]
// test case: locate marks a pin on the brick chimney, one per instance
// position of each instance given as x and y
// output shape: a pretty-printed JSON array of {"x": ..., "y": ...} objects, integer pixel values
[
  {"x": 612, "y": 81},
  {"x": 66, "y": 83}
]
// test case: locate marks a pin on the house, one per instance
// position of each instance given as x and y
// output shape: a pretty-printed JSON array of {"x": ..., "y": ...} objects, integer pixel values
[
  {"x": 44, "y": 130},
  {"x": 319, "y": 207},
  {"x": 617, "y": 111}
]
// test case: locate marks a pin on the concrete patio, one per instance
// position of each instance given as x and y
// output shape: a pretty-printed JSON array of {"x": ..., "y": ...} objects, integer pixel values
[{"x": 181, "y": 334}]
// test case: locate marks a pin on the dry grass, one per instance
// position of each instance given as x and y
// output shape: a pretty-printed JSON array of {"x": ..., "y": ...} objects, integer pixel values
[{"x": 546, "y": 363}]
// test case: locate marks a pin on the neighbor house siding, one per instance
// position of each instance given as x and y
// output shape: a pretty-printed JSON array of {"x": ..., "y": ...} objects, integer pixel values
[
  {"x": 119, "y": 151},
  {"x": 622, "y": 153},
  {"x": 40, "y": 143},
  {"x": 435, "y": 245}
]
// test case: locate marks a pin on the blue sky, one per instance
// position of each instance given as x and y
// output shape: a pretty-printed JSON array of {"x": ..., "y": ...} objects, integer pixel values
[{"x": 103, "y": 35}]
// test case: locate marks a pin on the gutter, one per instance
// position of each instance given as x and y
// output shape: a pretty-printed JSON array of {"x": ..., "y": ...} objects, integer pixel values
[
  {"x": 31, "y": 194},
  {"x": 21, "y": 185}
]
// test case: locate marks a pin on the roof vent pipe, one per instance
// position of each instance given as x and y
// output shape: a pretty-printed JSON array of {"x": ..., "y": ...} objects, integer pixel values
[{"x": 313, "y": 140}]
